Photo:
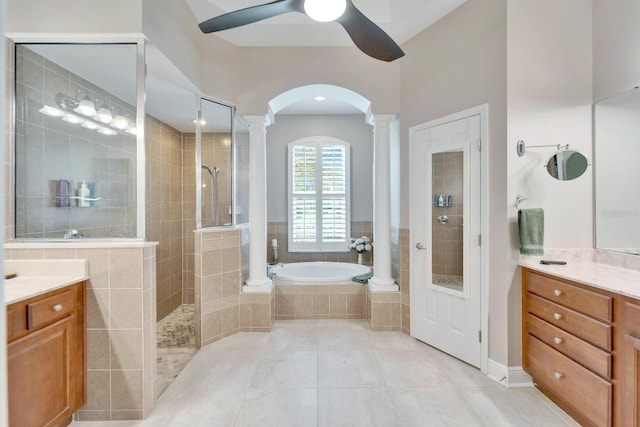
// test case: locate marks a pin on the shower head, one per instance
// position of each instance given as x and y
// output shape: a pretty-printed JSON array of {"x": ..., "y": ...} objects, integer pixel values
[{"x": 211, "y": 170}]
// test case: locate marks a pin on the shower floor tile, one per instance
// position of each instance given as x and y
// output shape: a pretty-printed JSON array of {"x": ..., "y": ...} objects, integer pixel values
[{"x": 176, "y": 345}]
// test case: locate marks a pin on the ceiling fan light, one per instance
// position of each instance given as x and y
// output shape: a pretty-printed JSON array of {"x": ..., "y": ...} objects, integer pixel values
[{"x": 325, "y": 10}]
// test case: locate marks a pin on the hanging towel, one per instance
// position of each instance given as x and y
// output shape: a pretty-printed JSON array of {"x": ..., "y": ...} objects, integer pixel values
[
  {"x": 531, "y": 231},
  {"x": 363, "y": 278}
]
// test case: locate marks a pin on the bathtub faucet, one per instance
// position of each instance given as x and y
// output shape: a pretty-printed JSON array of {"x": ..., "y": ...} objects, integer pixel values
[{"x": 73, "y": 234}]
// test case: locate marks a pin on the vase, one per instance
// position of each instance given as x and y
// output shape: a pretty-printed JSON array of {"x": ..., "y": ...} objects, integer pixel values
[{"x": 359, "y": 258}]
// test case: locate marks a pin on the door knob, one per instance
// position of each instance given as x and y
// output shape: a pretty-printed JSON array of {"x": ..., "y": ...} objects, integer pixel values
[{"x": 420, "y": 247}]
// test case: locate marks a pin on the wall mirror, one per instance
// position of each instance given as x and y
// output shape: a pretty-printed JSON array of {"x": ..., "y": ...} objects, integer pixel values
[
  {"x": 617, "y": 150},
  {"x": 565, "y": 165}
]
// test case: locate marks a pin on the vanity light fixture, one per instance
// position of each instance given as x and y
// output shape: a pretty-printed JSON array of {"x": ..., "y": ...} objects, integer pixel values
[
  {"x": 72, "y": 118},
  {"x": 120, "y": 122},
  {"x": 132, "y": 130},
  {"x": 52, "y": 111},
  {"x": 104, "y": 115},
  {"x": 107, "y": 131},
  {"x": 89, "y": 125},
  {"x": 85, "y": 106},
  {"x": 325, "y": 10}
]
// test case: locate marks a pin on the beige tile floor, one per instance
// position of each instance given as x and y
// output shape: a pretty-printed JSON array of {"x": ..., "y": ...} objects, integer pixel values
[{"x": 338, "y": 373}]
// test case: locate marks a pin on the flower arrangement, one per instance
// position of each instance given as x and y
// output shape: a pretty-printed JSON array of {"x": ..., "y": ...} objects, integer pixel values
[{"x": 360, "y": 245}]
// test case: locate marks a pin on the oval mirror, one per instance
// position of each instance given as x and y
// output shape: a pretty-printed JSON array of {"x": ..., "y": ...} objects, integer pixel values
[{"x": 566, "y": 165}]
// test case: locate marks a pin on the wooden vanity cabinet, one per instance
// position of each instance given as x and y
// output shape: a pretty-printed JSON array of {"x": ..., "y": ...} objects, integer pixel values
[
  {"x": 569, "y": 346},
  {"x": 46, "y": 357},
  {"x": 630, "y": 370}
]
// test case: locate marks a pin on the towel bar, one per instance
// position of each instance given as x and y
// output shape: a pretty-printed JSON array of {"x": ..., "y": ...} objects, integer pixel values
[{"x": 520, "y": 199}]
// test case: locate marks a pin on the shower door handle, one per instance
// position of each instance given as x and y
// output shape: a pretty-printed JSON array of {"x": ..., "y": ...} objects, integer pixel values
[{"x": 420, "y": 247}]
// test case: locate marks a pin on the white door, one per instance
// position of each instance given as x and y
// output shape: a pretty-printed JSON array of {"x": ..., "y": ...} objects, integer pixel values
[{"x": 445, "y": 184}]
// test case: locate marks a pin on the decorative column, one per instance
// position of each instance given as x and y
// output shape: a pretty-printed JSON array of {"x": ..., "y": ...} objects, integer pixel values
[
  {"x": 382, "y": 280},
  {"x": 257, "y": 281}
]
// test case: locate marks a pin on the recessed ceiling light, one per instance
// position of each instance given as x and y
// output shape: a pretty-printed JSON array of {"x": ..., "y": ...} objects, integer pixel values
[{"x": 320, "y": 98}]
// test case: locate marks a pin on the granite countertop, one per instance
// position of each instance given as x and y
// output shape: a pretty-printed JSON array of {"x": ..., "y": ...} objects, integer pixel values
[
  {"x": 37, "y": 277},
  {"x": 602, "y": 276}
]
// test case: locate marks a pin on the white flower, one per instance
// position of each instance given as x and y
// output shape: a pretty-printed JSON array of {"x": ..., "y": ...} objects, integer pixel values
[
  {"x": 367, "y": 247},
  {"x": 360, "y": 248}
]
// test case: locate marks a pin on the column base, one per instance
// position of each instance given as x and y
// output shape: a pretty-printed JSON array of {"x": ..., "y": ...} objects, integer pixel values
[
  {"x": 257, "y": 286},
  {"x": 382, "y": 285}
]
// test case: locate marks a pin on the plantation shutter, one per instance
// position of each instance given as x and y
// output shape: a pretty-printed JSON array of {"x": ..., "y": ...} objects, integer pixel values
[{"x": 318, "y": 195}]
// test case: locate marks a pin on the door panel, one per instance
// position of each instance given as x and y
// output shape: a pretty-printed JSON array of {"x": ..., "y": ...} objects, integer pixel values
[{"x": 445, "y": 229}]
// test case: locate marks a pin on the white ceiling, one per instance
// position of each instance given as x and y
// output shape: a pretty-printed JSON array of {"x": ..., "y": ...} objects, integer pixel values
[{"x": 401, "y": 19}]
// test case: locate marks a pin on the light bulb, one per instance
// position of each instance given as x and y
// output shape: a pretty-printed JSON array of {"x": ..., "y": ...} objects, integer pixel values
[
  {"x": 120, "y": 122},
  {"x": 51, "y": 111},
  {"x": 104, "y": 115},
  {"x": 89, "y": 125},
  {"x": 86, "y": 107},
  {"x": 107, "y": 131},
  {"x": 71, "y": 118},
  {"x": 325, "y": 10}
]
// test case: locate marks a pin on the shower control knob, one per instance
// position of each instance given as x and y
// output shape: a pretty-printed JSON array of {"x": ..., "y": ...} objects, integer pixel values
[{"x": 420, "y": 247}]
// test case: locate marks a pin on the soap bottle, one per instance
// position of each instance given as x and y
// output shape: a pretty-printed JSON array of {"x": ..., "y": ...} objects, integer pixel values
[
  {"x": 441, "y": 201},
  {"x": 83, "y": 194}
]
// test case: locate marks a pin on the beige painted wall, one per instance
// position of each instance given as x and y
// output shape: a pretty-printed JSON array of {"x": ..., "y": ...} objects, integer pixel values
[
  {"x": 52, "y": 17},
  {"x": 616, "y": 43},
  {"x": 267, "y": 72},
  {"x": 458, "y": 63},
  {"x": 549, "y": 102}
]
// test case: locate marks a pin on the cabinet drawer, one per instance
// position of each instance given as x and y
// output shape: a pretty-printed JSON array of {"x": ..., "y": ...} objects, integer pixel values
[
  {"x": 581, "y": 389},
  {"x": 631, "y": 309},
  {"x": 50, "y": 309},
  {"x": 582, "y": 300},
  {"x": 590, "y": 357},
  {"x": 585, "y": 327}
]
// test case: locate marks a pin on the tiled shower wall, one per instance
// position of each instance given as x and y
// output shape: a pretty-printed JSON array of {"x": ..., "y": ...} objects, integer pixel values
[
  {"x": 188, "y": 215},
  {"x": 164, "y": 211},
  {"x": 8, "y": 139},
  {"x": 447, "y": 238},
  {"x": 279, "y": 230}
]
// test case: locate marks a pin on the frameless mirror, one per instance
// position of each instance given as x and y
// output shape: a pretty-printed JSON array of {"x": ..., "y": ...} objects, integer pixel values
[
  {"x": 616, "y": 148},
  {"x": 565, "y": 165}
]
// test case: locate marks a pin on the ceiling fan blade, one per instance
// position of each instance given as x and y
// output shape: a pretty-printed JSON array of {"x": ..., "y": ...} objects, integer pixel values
[
  {"x": 368, "y": 36},
  {"x": 250, "y": 15}
]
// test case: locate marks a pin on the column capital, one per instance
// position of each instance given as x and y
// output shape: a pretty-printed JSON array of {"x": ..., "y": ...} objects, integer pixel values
[
  {"x": 381, "y": 119},
  {"x": 257, "y": 120}
]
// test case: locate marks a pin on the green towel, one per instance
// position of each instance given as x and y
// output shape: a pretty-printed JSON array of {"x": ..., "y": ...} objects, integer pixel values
[
  {"x": 363, "y": 278},
  {"x": 531, "y": 231}
]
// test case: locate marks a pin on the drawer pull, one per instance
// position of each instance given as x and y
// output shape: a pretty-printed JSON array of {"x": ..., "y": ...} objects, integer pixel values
[
  {"x": 57, "y": 307},
  {"x": 558, "y": 375},
  {"x": 557, "y": 340},
  {"x": 557, "y": 316},
  {"x": 558, "y": 292}
]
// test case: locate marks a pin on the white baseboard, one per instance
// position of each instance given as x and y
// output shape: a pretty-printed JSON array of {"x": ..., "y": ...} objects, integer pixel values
[{"x": 513, "y": 377}]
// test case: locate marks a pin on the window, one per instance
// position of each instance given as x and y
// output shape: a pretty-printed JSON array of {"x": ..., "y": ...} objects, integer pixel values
[{"x": 319, "y": 181}]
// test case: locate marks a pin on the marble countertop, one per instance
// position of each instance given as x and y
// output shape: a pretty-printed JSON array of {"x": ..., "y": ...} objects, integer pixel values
[
  {"x": 602, "y": 276},
  {"x": 37, "y": 277}
]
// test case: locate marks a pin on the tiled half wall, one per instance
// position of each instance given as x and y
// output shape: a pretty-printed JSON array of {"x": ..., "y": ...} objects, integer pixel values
[
  {"x": 221, "y": 309},
  {"x": 121, "y": 324}
]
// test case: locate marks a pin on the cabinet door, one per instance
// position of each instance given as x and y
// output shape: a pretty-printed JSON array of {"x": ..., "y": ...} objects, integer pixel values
[
  {"x": 631, "y": 374},
  {"x": 40, "y": 375}
]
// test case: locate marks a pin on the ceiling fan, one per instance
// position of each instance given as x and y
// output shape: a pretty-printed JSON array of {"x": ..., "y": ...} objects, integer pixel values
[{"x": 366, "y": 35}]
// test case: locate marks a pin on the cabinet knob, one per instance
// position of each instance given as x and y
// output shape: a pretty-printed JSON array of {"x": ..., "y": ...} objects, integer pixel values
[
  {"x": 557, "y": 340},
  {"x": 558, "y": 292},
  {"x": 558, "y": 375},
  {"x": 57, "y": 307},
  {"x": 557, "y": 316}
]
